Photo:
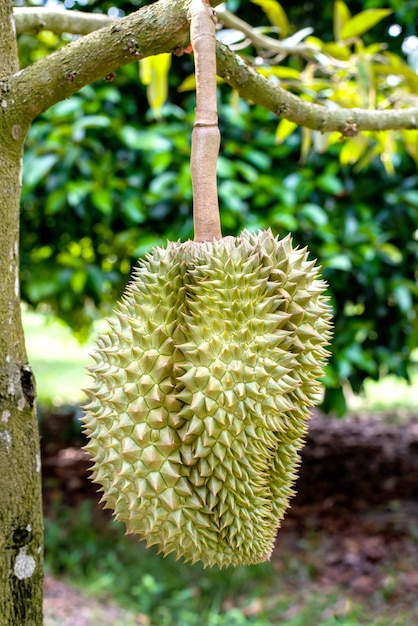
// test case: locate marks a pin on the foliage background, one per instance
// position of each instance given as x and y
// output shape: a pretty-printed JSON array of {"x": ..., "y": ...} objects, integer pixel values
[{"x": 105, "y": 180}]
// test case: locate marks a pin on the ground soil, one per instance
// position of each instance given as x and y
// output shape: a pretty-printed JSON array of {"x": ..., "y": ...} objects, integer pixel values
[{"x": 354, "y": 520}]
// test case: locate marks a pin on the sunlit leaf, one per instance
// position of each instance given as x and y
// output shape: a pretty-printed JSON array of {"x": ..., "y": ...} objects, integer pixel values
[
  {"x": 337, "y": 50},
  {"x": 393, "y": 254},
  {"x": 317, "y": 85},
  {"x": 275, "y": 14},
  {"x": 282, "y": 71},
  {"x": 352, "y": 150},
  {"x": 410, "y": 138},
  {"x": 306, "y": 144},
  {"x": 145, "y": 70},
  {"x": 153, "y": 72},
  {"x": 369, "y": 154},
  {"x": 387, "y": 144},
  {"x": 284, "y": 129},
  {"x": 374, "y": 48},
  {"x": 189, "y": 83},
  {"x": 362, "y": 22},
  {"x": 342, "y": 15},
  {"x": 314, "y": 41}
]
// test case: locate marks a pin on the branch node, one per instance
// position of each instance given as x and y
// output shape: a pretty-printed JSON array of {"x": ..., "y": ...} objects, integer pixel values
[
  {"x": 350, "y": 128},
  {"x": 283, "y": 110},
  {"x": 133, "y": 47},
  {"x": 71, "y": 76},
  {"x": 178, "y": 52}
]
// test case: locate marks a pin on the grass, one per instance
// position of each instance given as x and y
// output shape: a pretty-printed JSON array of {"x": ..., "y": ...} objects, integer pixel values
[
  {"x": 390, "y": 393},
  {"x": 95, "y": 556},
  {"x": 57, "y": 359}
]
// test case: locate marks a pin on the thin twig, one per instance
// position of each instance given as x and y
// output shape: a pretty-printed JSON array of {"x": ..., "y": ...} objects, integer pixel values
[{"x": 263, "y": 41}]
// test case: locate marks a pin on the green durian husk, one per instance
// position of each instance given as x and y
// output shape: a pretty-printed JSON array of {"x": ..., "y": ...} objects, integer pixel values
[{"x": 202, "y": 391}]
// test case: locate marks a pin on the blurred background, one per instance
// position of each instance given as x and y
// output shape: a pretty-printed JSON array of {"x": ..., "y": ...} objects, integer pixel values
[{"x": 106, "y": 178}]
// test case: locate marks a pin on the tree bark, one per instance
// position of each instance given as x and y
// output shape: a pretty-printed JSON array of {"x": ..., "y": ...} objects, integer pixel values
[
  {"x": 161, "y": 28},
  {"x": 21, "y": 574},
  {"x": 349, "y": 122},
  {"x": 153, "y": 29}
]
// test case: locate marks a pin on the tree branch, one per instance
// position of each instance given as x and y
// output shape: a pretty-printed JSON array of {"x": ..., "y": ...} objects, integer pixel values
[
  {"x": 9, "y": 62},
  {"x": 163, "y": 27},
  {"x": 258, "y": 89},
  {"x": 32, "y": 20},
  {"x": 153, "y": 29},
  {"x": 159, "y": 27}
]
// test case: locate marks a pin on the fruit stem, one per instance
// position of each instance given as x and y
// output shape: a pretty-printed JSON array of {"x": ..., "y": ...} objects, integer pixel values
[{"x": 205, "y": 135}]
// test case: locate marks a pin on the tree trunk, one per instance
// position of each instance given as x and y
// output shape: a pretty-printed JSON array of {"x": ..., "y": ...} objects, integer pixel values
[{"x": 21, "y": 531}]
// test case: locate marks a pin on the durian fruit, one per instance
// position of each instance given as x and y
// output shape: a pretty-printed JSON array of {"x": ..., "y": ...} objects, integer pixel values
[{"x": 202, "y": 389}]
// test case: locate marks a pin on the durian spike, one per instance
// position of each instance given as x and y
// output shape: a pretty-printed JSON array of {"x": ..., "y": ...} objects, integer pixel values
[{"x": 205, "y": 135}]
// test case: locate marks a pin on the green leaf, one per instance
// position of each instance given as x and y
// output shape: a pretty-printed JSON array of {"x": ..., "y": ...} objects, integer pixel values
[
  {"x": 275, "y": 14},
  {"x": 37, "y": 167},
  {"x": 334, "y": 401},
  {"x": 248, "y": 172},
  {"x": 102, "y": 200},
  {"x": 260, "y": 159},
  {"x": 403, "y": 298},
  {"x": 342, "y": 15},
  {"x": 225, "y": 168},
  {"x": 330, "y": 183},
  {"x": 391, "y": 252},
  {"x": 315, "y": 214},
  {"x": 338, "y": 262},
  {"x": 78, "y": 281},
  {"x": 91, "y": 121},
  {"x": 144, "y": 140},
  {"x": 411, "y": 195},
  {"x": 362, "y": 22},
  {"x": 56, "y": 201}
]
